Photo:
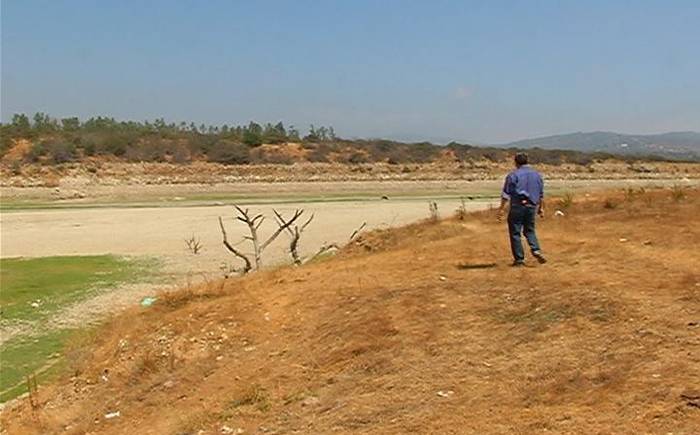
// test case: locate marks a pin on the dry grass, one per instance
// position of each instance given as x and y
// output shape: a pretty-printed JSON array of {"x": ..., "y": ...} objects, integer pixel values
[{"x": 392, "y": 336}]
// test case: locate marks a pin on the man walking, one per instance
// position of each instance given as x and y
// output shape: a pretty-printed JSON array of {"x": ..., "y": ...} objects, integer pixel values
[{"x": 524, "y": 189}]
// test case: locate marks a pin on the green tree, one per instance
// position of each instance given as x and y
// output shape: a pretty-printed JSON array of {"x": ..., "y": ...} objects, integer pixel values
[
  {"x": 70, "y": 124},
  {"x": 253, "y": 135},
  {"x": 20, "y": 125}
]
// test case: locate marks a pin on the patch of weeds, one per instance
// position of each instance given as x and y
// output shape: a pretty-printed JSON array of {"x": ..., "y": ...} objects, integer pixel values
[
  {"x": 461, "y": 212},
  {"x": 37, "y": 355},
  {"x": 536, "y": 317},
  {"x": 193, "y": 423},
  {"x": 146, "y": 363},
  {"x": 630, "y": 194},
  {"x": 296, "y": 397},
  {"x": 434, "y": 214},
  {"x": 610, "y": 204},
  {"x": 78, "y": 349},
  {"x": 600, "y": 314},
  {"x": 566, "y": 201},
  {"x": 677, "y": 193},
  {"x": 256, "y": 396}
]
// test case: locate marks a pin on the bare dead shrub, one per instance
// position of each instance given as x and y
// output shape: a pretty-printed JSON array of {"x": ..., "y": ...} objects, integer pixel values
[
  {"x": 194, "y": 245},
  {"x": 461, "y": 212},
  {"x": 434, "y": 214}
]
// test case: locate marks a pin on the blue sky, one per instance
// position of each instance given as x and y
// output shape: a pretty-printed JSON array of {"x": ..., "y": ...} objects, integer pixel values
[{"x": 481, "y": 71}]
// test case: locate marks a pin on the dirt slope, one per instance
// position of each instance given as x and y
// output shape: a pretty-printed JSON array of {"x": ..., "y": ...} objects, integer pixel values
[{"x": 391, "y": 337}]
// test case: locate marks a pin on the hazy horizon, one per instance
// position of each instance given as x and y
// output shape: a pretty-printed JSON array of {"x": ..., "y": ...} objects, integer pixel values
[{"x": 474, "y": 72}]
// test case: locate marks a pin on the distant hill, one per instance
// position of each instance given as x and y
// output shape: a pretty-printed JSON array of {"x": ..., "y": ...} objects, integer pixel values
[{"x": 676, "y": 145}]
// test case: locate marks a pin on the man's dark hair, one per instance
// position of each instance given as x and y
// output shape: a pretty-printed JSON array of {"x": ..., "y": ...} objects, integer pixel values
[{"x": 521, "y": 159}]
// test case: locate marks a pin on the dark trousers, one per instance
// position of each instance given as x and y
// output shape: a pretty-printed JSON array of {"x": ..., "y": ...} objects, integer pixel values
[{"x": 521, "y": 219}]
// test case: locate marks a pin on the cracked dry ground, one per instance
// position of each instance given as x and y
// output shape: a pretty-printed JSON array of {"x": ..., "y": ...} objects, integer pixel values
[{"x": 398, "y": 334}]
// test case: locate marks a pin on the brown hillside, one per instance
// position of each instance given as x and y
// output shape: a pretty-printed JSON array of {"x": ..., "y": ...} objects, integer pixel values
[{"x": 393, "y": 337}]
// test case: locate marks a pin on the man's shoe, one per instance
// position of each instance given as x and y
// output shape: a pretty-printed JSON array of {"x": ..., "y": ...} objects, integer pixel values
[
  {"x": 518, "y": 263},
  {"x": 540, "y": 258}
]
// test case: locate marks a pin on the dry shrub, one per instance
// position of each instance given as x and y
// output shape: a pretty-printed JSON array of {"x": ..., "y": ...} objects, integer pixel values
[
  {"x": 610, "y": 204},
  {"x": 256, "y": 396},
  {"x": 146, "y": 363},
  {"x": 461, "y": 212},
  {"x": 78, "y": 350},
  {"x": 434, "y": 214},
  {"x": 566, "y": 201},
  {"x": 677, "y": 193}
]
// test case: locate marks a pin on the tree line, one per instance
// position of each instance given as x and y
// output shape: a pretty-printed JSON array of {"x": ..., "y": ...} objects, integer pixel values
[{"x": 57, "y": 141}]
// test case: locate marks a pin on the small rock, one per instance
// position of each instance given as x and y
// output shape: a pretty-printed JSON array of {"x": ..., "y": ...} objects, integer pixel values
[
  {"x": 443, "y": 278},
  {"x": 646, "y": 243},
  {"x": 623, "y": 240},
  {"x": 558, "y": 213},
  {"x": 168, "y": 384},
  {"x": 310, "y": 401},
  {"x": 445, "y": 393}
]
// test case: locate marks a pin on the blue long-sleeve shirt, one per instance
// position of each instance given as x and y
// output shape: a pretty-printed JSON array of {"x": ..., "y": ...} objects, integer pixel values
[{"x": 524, "y": 183}]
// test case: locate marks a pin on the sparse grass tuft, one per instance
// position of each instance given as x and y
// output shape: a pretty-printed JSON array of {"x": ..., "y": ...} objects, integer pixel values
[
  {"x": 566, "y": 201},
  {"x": 434, "y": 214},
  {"x": 146, "y": 363},
  {"x": 461, "y": 212},
  {"x": 256, "y": 396},
  {"x": 677, "y": 193}
]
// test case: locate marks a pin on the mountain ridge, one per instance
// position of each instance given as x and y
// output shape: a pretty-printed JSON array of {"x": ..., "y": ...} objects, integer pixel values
[{"x": 675, "y": 144}]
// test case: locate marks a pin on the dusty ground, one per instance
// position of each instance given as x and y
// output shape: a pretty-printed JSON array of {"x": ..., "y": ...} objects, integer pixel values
[{"x": 405, "y": 332}]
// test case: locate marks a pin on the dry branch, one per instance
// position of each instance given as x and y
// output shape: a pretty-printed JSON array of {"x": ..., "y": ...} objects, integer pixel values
[
  {"x": 247, "y": 264},
  {"x": 295, "y": 234}
]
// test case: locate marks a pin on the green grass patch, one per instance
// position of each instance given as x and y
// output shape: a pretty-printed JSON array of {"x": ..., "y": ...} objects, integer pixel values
[
  {"x": 33, "y": 288},
  {"x": 23, "y": 356}
]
